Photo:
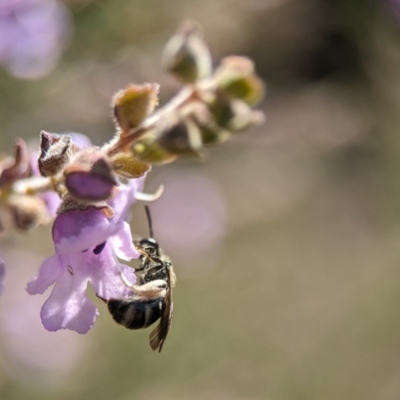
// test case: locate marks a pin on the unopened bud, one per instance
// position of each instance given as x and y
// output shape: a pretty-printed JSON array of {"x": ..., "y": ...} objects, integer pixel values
[
  {"x": 232, "y": 114},
  {"x": 220, "y": 107},
  {"x": 244, "y": 117},
  {"x": 186, "y": 55},
  {"x": 27, "y": 212},
  {"x": 183, "y": 139},
  {"x": 127, "y": 165},
  {"x": 148, "y": 150},
  {"x": 55, "y": 153},
  {"x": 19, "y": 168},
  {"x": 213, "y": 135},
  {"x": 89, "y": 176},
  {"x": 236, "y": 78},
  {"x": 133, "y": 104}
]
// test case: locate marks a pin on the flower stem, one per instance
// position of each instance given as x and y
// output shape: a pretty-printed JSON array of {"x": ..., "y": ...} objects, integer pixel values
[{"x": 185, "y": 96}]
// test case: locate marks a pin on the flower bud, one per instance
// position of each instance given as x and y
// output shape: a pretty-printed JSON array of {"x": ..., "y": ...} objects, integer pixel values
[
  {"x": 133, "y": 104},
  {"x": 148, "y": 150},
  {"x": 182, "y": 139},
  {"x": 128, "y": 166},
  {"x": 27, "y": 212},
  {"x": 236, "y": 78},
  {"x": 186, "y": 55},
  {"x": 231, "y": 114},
  {"x": 89, "y": 176},
  {"x": 213, "y": 135},
  {"x": 244, "y": 117},
  {"x": 55, "y": 153},
  {"x": 210, "y": 131},
  {"x": 220, "y": 107},
  {"x": 175, "y": 135},
  {"x": 18, "y": 168}
]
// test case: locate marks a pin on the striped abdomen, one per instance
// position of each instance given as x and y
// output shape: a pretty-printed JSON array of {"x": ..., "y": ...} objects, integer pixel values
[{"x": 136, "y": 313}]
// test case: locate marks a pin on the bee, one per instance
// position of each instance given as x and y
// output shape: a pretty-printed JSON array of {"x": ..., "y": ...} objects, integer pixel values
[{"x": 152, "y": 298}]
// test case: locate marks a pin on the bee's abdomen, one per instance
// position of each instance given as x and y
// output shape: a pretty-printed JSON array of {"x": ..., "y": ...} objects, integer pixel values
[{"x": 136, "y": 314}]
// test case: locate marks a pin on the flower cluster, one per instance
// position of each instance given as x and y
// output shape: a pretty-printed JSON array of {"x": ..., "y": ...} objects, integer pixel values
[
  {"x": 87, "y": 243},
  {"x": 213, "y": 106},
  {"x": 90, "y": 190}
]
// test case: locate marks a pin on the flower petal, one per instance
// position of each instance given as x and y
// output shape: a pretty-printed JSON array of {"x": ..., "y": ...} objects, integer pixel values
[
  {"x": 89, "y": 186},
  {"x": 123, "y": 245},
  {"x": 105, "y": 275},
  {"x": 79, "y": 139},
  {"x": 49, "y": 272},
  {"x": 76, "y": 230},
  {"x": 68, "y": 306},
  {"x": 126, "y": 197}
]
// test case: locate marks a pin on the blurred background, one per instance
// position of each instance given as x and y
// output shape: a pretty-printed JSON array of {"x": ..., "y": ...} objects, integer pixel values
[{"x": 286, "y": 242}]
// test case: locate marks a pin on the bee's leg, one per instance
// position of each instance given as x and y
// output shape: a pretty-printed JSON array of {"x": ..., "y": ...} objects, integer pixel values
[
  {"x": 141, "y": 250},
  {"x": 151, "y": 289},
  {"x": 145, "y": 255},
  {"x": 156, "y": 264},
  {"x": 141, "y": 268},
  {"x": 101, "y": 298}
]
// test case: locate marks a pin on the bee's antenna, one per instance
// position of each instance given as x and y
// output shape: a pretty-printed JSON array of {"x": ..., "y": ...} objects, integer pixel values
[{"x": 147, "y": 208}]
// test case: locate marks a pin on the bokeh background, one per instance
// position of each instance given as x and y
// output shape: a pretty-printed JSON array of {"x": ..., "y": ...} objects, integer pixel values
[{"x": 286, "y": 242}]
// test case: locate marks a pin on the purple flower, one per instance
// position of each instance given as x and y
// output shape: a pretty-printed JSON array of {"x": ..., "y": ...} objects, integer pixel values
[
  {"x": 28, "y": 348},
  {"x": 86, "y": 246},
  {"x": 32, "y": 34}
]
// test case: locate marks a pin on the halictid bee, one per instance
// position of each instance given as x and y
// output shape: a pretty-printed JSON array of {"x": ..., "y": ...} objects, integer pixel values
[{"x": 152, "y": 298}]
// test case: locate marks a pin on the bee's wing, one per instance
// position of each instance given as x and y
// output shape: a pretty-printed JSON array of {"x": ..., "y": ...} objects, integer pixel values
[{"x": 158, "y": 335}]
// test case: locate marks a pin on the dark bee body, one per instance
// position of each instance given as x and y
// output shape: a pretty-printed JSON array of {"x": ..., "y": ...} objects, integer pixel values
[
  {"x": 152, "y": 299},
  {"x": 136, "y": 313}
]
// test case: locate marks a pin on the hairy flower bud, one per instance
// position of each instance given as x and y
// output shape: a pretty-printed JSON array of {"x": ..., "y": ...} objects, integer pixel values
[
  {"x": 244, "y": 117},
  {"x": 184, "y": 138},
  {"x": 186, "y": 55},
  {"x": 212, "y": 134},
  {"x": 236, "y": 78},
  {"x": 178, "y": 135},
  {"x": 13, "y": 169},
  {"x": 27, "y": 212},
  {"x": 55, "y": 153},
  {"x": 89, "y": 176},
  {"x": 148, "y": 150},
  {"x": 128, "y": 166},
  {"x": 133, "y": 104},
  {"x": 220, "y": 107},
  {"x": 232, "y": 114}
]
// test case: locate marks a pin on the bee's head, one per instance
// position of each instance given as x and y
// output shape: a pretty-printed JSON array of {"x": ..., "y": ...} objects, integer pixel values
[{"x": 150, "y": 245}]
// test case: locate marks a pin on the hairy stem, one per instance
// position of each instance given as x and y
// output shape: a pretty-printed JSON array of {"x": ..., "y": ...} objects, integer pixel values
[{"x": 184, "y": 97}]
